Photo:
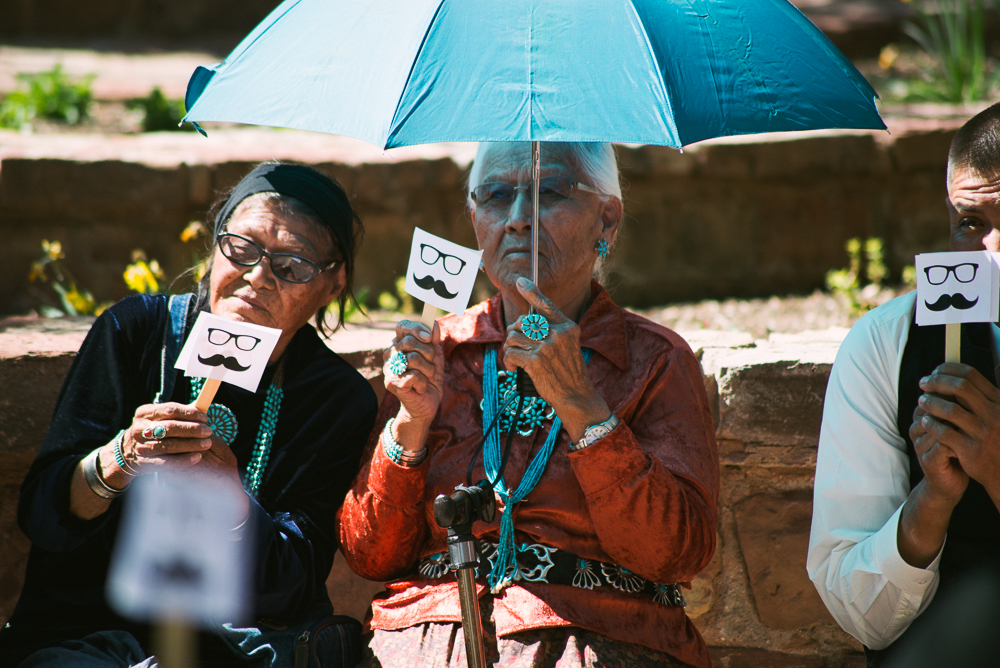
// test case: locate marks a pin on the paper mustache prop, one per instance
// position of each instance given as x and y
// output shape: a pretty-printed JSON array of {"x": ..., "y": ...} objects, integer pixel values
[
  {"x": 957, "y": 287},
  {"x": 440, "y": 272},
  {"x": 227, "y": 350}
]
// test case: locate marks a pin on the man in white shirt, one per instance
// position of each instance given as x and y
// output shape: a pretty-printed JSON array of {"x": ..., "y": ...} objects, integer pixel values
[{"x": 905, "y": 521}]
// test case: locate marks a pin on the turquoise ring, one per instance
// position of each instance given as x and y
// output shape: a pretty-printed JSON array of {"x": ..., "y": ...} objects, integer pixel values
[
  {"x": 159, "y": 431},
  {"x": 535, "y": 326},
  {"x": 397, "y": 363}
]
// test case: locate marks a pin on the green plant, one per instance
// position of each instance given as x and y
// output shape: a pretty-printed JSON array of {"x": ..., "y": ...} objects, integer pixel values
[
  {"x": 51, "y": 269},
  {"x": 953, "y": 33},
  {"x": 866, "y": 267},
  {"x": 400, "y": 301},
  {"x": 50, "y": 95},
  {"x": 160, "y": 113}
]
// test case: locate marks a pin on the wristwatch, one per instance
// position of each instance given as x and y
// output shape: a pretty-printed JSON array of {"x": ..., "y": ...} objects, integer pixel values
[{"x": 595, "y": 433}]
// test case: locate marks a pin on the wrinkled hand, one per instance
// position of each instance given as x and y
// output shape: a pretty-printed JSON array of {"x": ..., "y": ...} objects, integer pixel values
[
  {"x": 420, "y": 387},
  {"x": 555, "y": 365},
  {"x": 186, "y": 440},
  {"x": 962, "y": 412},
  {"x": 943, "y": 474}
]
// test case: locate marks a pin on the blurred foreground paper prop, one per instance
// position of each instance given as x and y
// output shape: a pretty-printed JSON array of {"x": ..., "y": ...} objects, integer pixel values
[
  {"x": 230, "y": 351},
  {"x": 175, "y": 556},
  {"x": 440, "y": 272},
  {"x": 957, "y": 287}
]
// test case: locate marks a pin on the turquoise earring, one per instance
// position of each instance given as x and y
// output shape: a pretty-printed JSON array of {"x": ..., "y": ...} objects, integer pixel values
[{"x": 603, "y": 248}]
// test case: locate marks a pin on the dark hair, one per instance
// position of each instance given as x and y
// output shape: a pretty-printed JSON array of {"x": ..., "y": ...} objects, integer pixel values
[
  {"x": 976, "y": 145},
  {"x": 348, "y": 220}
]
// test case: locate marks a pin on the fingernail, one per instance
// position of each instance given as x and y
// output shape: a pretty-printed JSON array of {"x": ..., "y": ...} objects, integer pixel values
[
  {"x": 206, "y": 443},
  {"x": 522, "y": 282},
  {"x": 925, "y": 379},
  {"x": 423, "y": 335},
  {"x": 922, "y": 399},
  {"x": 925, "y": 420}
]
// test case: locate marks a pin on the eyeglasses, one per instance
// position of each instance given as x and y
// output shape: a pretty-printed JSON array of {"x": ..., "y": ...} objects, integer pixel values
[
  {"x": 287, "y": 267},
  {"x": 452, "y": 264},
  {"x": 551, "y": 190},
  {"x": 963, "y": 273},
  {"x": 221, "y": 337}
]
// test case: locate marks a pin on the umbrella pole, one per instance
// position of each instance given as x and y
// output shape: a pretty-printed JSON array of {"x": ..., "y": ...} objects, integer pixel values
[{"x": 525, "y": 387}]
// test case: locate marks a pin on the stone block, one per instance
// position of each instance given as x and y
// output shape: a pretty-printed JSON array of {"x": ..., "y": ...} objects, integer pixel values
[
  {"x": 34, "y": 358},
  {"x": 14, "y": 546},
  {"x": 725, "y": 657},
  {"x": 89, "y": 190},
  {"x": 350, "y": 594},
  {"x": 773, "y": 531},
  {"x": 923, "y": 151}
]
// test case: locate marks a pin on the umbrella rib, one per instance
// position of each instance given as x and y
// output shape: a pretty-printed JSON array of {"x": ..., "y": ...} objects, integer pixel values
[
  {"x": 659, "y": 72},
  {"x": 409, "y": 75}
]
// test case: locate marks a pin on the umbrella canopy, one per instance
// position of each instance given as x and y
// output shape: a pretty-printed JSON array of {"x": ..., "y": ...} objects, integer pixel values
[{"x": 669, "y": 72}]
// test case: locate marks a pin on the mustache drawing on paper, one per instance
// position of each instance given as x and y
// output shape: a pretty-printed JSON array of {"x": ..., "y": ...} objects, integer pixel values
[
  {"x": 230, "y": 363},
  {"x": 946, "y": 301},
  {"x": 431, "y": 283}
]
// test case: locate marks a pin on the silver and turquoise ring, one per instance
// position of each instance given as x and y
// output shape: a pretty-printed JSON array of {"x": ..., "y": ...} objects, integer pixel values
[
  {"x": 535, "y": 326},
  {"x": 397, "y": 363},
  {"x": 155, "y": 431}
]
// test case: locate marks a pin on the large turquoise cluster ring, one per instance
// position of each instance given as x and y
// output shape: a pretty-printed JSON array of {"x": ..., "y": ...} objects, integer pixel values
[
  {"x": 397, "y": 363},
  {"x": 223, "y": 423},
  {"x": 535, "y": 326}
]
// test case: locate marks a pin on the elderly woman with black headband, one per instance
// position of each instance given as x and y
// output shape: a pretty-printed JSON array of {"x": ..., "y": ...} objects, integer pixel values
[
  {"x": 607, "y": 503},
  {"x": 285, "y": 241}
]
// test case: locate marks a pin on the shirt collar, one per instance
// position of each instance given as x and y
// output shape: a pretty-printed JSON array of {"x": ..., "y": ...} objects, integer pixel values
[{"x": 603, "y": 327}]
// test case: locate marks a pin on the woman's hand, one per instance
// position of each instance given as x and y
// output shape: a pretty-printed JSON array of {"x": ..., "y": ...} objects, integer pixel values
[
  {"x": 186, "y": 437},
  {"x": 420, "y": 387},
  {"x": 556, "y": 365}
]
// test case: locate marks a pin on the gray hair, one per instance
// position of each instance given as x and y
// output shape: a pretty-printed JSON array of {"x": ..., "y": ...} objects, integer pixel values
[{"x": 596, "y": 164}]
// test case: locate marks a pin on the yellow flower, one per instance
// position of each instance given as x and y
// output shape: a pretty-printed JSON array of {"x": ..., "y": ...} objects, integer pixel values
[
  {"x": 37, "y": 272},
  {"x": 194, "y": 230},
  {"x": 101, "y": 308},
  {"x": 83, "y": 302},
  {"x": 139, "y": 278},
  {"x": 53, "y": 249},
  {"x": 154, "y": 267},
  {"x": 887, "y": 57},
  {"x": 199, "y": 270}
]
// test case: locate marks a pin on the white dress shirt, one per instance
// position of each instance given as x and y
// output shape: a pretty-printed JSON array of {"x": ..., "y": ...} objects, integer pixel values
[{"x": 862, "y": 480}]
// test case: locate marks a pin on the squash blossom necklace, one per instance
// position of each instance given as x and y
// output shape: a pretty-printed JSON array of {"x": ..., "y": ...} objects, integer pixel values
[{"x": 223, "y": 424}]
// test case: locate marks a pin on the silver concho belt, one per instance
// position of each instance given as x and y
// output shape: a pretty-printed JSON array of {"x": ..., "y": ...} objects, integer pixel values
[{"x": 539, "y": 563}]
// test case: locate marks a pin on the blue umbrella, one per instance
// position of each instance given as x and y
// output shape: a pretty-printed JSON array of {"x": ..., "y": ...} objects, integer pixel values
[{"x": 669, "y": 72}]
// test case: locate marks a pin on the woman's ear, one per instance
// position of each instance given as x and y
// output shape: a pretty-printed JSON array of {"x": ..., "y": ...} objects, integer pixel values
[
  {"x": 338, "y": 283},
  {"x": 612, "y": 213}
]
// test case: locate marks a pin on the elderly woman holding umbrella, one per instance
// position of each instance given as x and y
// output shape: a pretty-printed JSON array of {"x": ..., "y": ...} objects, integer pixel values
[
  {"x": 609, "y": 495},
  {"x": 284, "y": 246}
]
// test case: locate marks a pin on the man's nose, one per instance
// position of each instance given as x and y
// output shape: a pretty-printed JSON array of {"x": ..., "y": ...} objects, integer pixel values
[{"x": 991, "y": 241}]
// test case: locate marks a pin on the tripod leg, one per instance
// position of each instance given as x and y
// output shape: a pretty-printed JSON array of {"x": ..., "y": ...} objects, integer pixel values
[{"x": 472, "y": 624}]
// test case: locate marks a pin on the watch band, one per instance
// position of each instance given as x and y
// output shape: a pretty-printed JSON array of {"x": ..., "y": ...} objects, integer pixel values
[{"x": 595, "y": 433}]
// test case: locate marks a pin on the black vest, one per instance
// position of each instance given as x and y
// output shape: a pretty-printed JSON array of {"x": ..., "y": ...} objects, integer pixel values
[{"x": 973, "y": 541}]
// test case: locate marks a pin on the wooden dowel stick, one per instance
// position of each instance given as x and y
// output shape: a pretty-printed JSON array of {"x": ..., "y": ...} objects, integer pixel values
[
  {"x": 207, "y": 394},
  {"x": 175, "y": 644},
  {"x": 429, "y": 315},
  {"x": 953, "y": 342}
]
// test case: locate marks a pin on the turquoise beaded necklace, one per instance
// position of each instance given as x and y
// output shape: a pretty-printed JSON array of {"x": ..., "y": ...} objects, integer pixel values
[
  {"x": 505, "y": 564},
  {"x": 223, "y": 423}
]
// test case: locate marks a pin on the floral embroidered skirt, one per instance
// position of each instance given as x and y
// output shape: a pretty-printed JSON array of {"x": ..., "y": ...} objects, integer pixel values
[{"x": 442, "y": 645}]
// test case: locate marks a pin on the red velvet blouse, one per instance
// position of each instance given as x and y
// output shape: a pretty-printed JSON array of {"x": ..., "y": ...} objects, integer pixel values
[{"x": 644, "y": 497}]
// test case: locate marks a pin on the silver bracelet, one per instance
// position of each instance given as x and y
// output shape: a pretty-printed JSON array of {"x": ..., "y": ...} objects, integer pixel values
[
  {"x": 395, "y": 451},
  {"x": 94, "y": 479},
  {"x": 595, "y": 433},
  {"x": 120, "y": 455}
]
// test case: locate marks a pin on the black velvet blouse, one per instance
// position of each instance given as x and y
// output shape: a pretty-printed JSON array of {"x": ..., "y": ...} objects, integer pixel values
[{"x": 326, "y": 414}]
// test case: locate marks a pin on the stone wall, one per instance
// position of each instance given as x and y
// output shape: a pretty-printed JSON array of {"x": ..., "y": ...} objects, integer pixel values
[
  {"x": 754, "y": 603},
  {"x": 737, "y": 217}
]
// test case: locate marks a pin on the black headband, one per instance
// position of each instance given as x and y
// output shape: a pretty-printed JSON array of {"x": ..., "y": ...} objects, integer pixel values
[{"x": 320, "y": 193}]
